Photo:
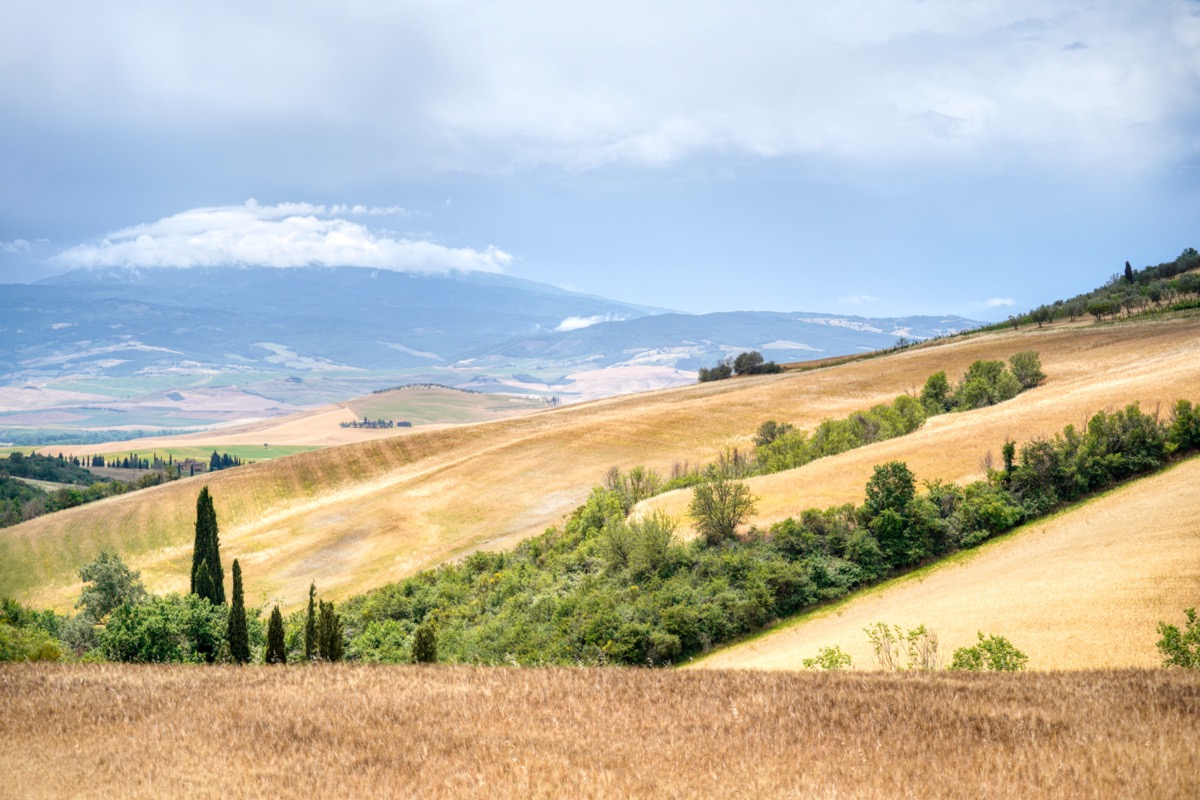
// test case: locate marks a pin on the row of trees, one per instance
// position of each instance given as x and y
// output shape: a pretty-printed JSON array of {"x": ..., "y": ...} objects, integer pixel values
[
  {"x": 1170, "y": 285},
  {"x": 376, "y": 423}
]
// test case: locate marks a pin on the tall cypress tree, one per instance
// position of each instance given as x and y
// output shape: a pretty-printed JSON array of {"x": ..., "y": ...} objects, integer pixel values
[
  {"x": 207, "y": 548},
  {"x": 276, "y": 648},
  {"x": 329, "y": 633},
  {"x": 310, "y": 625},
  {"x": 238, "y": 635}
]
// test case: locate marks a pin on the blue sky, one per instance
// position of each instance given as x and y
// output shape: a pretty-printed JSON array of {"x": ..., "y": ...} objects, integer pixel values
[{"x": 870, "y": 157}]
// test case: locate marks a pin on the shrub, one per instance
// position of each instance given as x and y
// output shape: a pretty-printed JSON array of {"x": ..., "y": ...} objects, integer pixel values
[
  {"x": 896, "y": 650},
  {"x": 828, "y": 658},
  {"x": 1181, "y": 648},
  {"x": 424, "y": 644},
  {"x": 992, "y": 652}
]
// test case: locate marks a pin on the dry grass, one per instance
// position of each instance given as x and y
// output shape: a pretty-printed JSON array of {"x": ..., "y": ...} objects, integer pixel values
[
  {"x": 461, "y": 732},
  {"x": 1082, "y": 590},
  {"x": 357, "y": 516}
]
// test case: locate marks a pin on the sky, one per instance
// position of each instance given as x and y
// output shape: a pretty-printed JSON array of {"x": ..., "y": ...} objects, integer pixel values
[{"x": 870, "y": 157}]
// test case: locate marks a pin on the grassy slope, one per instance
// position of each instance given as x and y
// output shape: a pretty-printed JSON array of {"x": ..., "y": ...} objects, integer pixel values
[
  {"x": 356, "y": 516},
  {"x": 1081, "y": 590}
]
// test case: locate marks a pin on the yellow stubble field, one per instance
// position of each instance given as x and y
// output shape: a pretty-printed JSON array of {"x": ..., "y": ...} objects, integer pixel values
[{"x": 356, "y": 516}]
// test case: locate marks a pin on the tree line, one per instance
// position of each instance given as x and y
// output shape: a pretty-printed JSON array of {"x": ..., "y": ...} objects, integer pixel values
[{"x": 1168, "y": 286}]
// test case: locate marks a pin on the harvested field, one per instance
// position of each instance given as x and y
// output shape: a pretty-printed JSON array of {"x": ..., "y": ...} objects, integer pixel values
[
  {"x": 1081, "y": 590},
  {"x": 105, "y": 731},
  {"x": 357, "y": 516}
]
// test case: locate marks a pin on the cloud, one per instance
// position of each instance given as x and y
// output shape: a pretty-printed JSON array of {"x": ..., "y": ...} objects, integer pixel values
[
  {"x": 282, "y": 235},
  {"x": 858, "y": 299},
  {"x": 16, "y": 246},
  {"x": 996, "y": 302},
  {"x": 457, "y": 85},
  {"x": 575, "y": 323}
]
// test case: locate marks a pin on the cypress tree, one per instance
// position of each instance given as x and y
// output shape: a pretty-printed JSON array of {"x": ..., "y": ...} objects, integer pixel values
[
  {"x": 237, "y": 634},
  {"x": 202, "y": 585},
  {"x": 424, "y": 644},
  {"x": 310, "y": 625},
  {"x": 207, "y": 547},
  {"x": 329, "y": 633},
  {"x": 276, "y": 648}
]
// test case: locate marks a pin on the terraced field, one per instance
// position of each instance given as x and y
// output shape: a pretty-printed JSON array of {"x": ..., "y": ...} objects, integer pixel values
[{"x": 355, "y": 516}]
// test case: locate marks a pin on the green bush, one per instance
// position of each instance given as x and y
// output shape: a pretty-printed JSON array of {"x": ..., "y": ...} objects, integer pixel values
[
  {"x": 994, "y": 653},
  {"x": 1181, "y": 648}
]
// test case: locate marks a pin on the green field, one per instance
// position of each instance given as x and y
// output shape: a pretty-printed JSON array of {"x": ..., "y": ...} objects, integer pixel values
[
  {"x": 422, "y": 405},
  {"x": 246, "y": 452}
]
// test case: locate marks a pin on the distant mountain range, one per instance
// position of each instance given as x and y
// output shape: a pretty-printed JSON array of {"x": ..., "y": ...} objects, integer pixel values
[{"x": 310, "y": 334}]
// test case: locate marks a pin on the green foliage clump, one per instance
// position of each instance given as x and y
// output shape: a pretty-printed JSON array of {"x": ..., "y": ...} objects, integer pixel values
[
  {"x": 749, "y": 363},
  {"x": 424, "y": 644},
  {"x": 331, "y": 644},
  {"x": 1181, "y": 648},
  {"x": 829, "y": 659},
  {"x": 27, "y": 635},
  {"x": 171, "y": 628},
  {"x": 995, "y": 653}
]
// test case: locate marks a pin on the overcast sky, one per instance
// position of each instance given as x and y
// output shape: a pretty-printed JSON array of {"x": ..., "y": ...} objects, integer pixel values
[{"x": 865, "y": 156}]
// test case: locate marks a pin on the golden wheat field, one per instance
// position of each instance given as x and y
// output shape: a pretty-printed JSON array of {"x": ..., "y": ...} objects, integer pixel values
[
  {"x": 357, "y": 516},
  {"x": 354, "y": 731},
  {"x": 1084, "y": 589}
]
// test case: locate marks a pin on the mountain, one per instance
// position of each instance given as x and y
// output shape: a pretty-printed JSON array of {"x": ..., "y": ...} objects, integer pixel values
[
  {"x": 690, "y": 341},
  {"x": 184, "y": 348},
  {"x": 127, "y": 322}
]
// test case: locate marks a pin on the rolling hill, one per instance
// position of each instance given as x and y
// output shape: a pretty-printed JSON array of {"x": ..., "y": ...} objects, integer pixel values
[{"x": 356, "y": 516}]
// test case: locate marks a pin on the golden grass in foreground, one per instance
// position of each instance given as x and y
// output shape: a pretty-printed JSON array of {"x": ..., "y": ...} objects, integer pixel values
[
  {"x": 347, "y": 731},
  {"x": 1082, "y": 589}
]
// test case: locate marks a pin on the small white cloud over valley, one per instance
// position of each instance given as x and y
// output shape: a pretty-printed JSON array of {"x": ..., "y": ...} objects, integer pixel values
[{"x": 283, "y": 235}]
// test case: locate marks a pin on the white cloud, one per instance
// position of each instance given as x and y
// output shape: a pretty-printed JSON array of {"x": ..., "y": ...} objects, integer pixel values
[
  {"x": 996, "y": 302},
  {"x": 16, "y": 246},
  {"x": 575, "y": 323},
  {"x": 283, "y": 235},
  {"x": 858, "y": 299}
]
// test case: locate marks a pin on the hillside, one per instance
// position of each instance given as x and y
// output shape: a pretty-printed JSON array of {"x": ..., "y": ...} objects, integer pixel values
[
  {"x": 360, "y": 515},
  {"x": 1080, "y": 590}
]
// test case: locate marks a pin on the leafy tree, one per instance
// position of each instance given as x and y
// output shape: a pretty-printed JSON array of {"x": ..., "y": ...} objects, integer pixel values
[
  {"x": 891, "y": 487},
  {"x": 992, "y": 652},
  {"x": 108, "y": 583},
  {"x": 718, "y": 507},
  {"x": 936, "y": 394},
  {"x": 1027, "y": 368},
  {"x": 1128, "y": 272},
  {"x": 171, "y": 628},
  {"x": 771, "y": 430},
  {"x": 424, "y": 644},
  {"x": 276, "y": 652},
  {"x": 1181, "y": 648},
  {"x": 310, "y": 625},
  {"x": 207, "y": 552},
  {"x": 236, "y": 631}
]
